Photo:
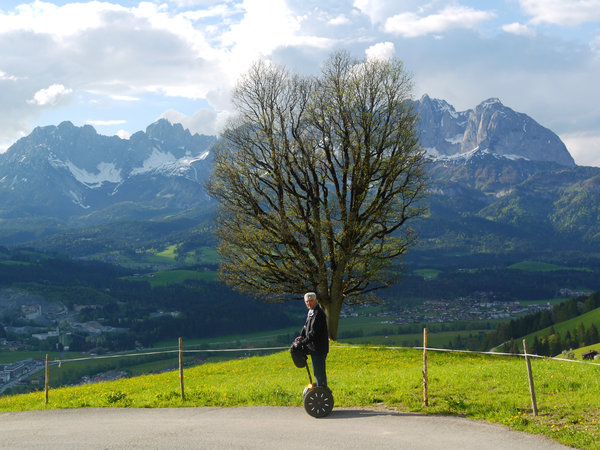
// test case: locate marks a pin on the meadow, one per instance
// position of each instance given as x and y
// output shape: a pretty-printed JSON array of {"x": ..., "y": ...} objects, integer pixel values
[
  {"x": 492, "y": 388},
  {"x": 538, "y": 266},
  {"x": 587, "y": 319},
  {"x": 168, "y": 277}
]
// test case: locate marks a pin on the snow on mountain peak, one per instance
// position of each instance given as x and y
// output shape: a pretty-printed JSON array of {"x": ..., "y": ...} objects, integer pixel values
[
  {"x": 107, "y": 172},
  {"x": 490, "y": 101},
  {"x": 157, "y": 160}
]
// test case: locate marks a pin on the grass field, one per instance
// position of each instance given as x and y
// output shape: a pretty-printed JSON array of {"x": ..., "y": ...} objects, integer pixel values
[
  {"x": 165, "y": 257},
  {"x": 258, "y": 339},
  {"x": 591, "y": 317},
  {"x": 476, "y": 386},
  {"x": 536, "y": 266},
  {"x": 427, "y": 274},
  {"x": 166, "y": 277},
  {"x": 580, "y": 351},
  {"x": 11, "y": 357},
  {"x": 435, "y": 340},
  {"x": 203, "y": 255}
]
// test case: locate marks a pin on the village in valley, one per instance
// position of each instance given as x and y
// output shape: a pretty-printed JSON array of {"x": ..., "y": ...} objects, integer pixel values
[
  {"x": 477, "y": 307},
  {"x": 49, "y": 322}
]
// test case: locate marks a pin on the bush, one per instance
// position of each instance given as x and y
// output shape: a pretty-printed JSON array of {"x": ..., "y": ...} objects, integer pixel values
[{"x": 567, "y": 354}]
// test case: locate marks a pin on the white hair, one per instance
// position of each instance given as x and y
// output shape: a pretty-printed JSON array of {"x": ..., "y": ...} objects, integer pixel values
[{"x": 310, "y": 296}]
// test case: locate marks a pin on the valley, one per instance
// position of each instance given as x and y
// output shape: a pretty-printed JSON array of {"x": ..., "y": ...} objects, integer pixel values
[
  {"x": 150, "y": 309},
  {"x": 112, "y": 249}
]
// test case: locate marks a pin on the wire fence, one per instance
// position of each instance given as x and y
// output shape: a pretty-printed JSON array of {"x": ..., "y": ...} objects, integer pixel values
[
  {"x": 181, "y": 352},
  {"x": 59, "y": 362}
]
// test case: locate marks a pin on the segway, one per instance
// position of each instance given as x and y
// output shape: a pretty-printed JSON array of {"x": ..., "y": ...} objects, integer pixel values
[{"x": 318, "y": 400}]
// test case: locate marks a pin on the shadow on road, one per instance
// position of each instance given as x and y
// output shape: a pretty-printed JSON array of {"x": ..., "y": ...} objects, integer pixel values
[{"x": 362, "y": 413}]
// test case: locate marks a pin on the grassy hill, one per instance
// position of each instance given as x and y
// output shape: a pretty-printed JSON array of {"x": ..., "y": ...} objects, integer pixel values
[
  {"x": 485, "y": 387},
  {"x": 580, "y": 351},
  {"x": 589, "y": 318}
]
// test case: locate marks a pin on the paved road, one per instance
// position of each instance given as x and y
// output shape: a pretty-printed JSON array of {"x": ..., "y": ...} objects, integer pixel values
[{"x": 262, "y": 428}]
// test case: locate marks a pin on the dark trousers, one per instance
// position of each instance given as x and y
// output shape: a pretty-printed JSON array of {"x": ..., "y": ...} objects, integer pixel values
[{"x": 318, "y": 363}]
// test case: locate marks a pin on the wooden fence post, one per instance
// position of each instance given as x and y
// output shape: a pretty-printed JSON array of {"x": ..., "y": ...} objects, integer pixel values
[
  {"x": 530, "y": 376},
  {"x": 47, "y": 378},
  {"x": 181, "y": 368},
  {"x": 425, "y": 394}
]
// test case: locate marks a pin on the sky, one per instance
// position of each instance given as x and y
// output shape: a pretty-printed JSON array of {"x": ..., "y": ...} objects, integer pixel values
[{"x": 120, "y": 65}]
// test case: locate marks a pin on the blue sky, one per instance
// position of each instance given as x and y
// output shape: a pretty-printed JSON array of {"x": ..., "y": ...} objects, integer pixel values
[{"x": 121, "y": 65}]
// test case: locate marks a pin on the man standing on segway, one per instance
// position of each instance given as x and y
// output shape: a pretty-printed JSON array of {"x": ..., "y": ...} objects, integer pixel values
[{"x": 315, "y": 337}]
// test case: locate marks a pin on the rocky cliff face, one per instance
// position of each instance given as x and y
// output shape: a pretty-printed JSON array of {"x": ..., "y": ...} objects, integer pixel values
[
  {"x": 490, "y": 165},
  {"x": 491, "y": 127},
  {"x": 63, "y": 171}
]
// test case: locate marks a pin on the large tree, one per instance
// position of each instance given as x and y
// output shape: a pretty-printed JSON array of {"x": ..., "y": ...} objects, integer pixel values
[{"x": 317, "y": 179}]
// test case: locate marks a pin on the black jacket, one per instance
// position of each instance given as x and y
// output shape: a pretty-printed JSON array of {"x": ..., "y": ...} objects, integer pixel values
[{"x": 314, "y": 333}]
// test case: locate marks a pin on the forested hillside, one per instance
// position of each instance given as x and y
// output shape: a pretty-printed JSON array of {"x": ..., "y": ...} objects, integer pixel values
[
  {"x": 569, "y": 325},
  {"x": 126, "y": 307}
]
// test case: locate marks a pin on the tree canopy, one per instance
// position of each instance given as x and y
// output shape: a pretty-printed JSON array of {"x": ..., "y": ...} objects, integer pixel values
[{"x": 317, "y": 180}]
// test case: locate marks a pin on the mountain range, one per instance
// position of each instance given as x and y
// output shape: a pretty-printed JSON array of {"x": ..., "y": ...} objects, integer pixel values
[
  {"x": 499, "y": 182},
  {"x": 491, "y": 127}
]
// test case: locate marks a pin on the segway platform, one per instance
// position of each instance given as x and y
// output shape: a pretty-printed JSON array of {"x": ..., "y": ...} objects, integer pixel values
[{"x": 317, "y": 400}]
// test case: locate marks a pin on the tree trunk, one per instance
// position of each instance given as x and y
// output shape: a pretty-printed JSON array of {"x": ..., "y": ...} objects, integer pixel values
[{"x": 332, "y": 310}]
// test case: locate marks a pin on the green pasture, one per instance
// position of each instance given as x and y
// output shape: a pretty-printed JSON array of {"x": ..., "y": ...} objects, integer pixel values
[
  {"x": 167, "y": 277},
  {"x": 168, "y": 253},
  {"x": 552, "y": 301},
  {"x": 202, "y": 255},
  {"x": 11, "y": 357},
  {"x": 427, "y": 274},
  {"x": 591, "y": 317},
  {"x": 167, "y": 257},
  {"x": 537, "y": 266},
  {"x": 11, "y": 262},
  {"x": 434, "y": 340},
  {"x": 580, "y": 351},
  {"x": 258, "y": 339},
  {"x": 491, "y": 388}
]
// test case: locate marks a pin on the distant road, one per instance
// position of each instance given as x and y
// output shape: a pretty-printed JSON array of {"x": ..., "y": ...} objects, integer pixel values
[
  {"x": 264, "y": 428},
  {"x": 14, "y": 382}
]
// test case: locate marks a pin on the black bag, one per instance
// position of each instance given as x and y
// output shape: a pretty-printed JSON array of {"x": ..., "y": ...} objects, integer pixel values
[{"x": 299, "y": 352}]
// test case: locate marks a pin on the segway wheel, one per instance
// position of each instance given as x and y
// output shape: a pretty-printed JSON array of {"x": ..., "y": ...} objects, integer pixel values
[{"x": 318, "y": 401}]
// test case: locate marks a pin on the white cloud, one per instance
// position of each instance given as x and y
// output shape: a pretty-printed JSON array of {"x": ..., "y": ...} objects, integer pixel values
[
  {"x": 125, "y": 98},
  {"x": 584, "y": 147},
  {"x": 5, "y": 76},
  {"x": 562, "y": 12},
  {"x": 339, "y": 20},
  {"x": 59, "y": 21},
  {"x": 122, "y": 52},
  {"x": 382, "y": 50},
  {"x": 451, "y": 17},
  {"x": 105, "y": 122},
  {"x": 221, "y": 10},
  {"x": 50, "y": 96},
  {"x": 265, "y": 27},
  {"x": 518, "y": 29},
  {"x": 103, "y": 49},
  {"x": 195, "y": 2},
  {"x": 379, "y": 10},
  {"x": 123, "y": 134},
  {"x": 595, "y": 45},
  {"x": 203, "y": 121},
  {"x": 134, "y": 59}
]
